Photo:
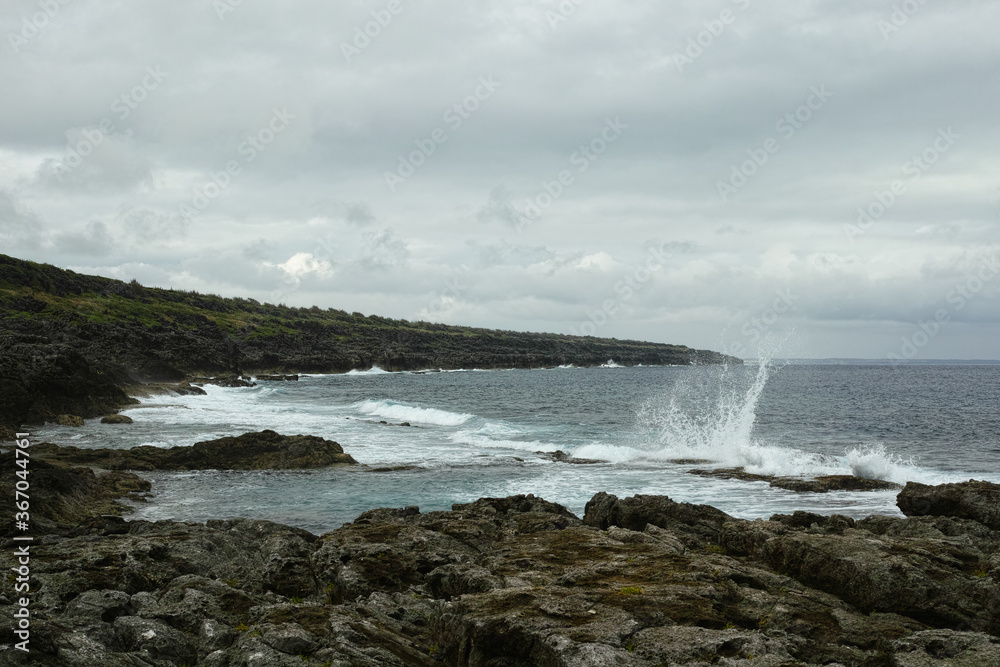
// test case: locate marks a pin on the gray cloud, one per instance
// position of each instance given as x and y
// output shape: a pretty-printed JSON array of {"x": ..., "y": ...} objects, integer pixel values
[
  {"x": 20, "y": 227},
  {"x": 94, "y": 240},
  {"x": 303, "y": 212}
]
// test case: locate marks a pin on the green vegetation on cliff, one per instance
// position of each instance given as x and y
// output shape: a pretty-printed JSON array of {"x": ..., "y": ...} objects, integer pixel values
[{"x": 54, "y": 321}]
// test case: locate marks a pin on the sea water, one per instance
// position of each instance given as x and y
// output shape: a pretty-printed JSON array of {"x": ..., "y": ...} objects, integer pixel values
[{"x": 475, "y": 434}]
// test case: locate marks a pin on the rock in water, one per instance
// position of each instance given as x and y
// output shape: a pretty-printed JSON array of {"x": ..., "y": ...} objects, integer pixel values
[
  {"x": 69, "y": 420},
  {"x": 979, "y": 501},
  {"x": 116, "y": 419},
  {"x": 250, "y": 451}
]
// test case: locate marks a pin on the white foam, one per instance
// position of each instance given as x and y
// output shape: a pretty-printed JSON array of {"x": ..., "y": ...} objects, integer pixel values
[
  {"x": 874, "y": 462},
  {"x": 374, "y": 370},
  {"x": 410, "y": 413},
  {"x": 481, "y": 439},
  {"x": 611, "y": 364},
  {"x": 610, "y": 453}
]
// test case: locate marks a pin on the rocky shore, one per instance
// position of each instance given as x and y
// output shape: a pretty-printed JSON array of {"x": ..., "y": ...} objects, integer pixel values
[
  {"x": 81, "y": 346},
  {"x": 641, "y": 581}
]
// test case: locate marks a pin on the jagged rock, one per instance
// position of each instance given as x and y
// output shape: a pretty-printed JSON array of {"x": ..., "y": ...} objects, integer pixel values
[
  {"x": 69, "y": 420},
  {"x": 946, "y": 648},
  {"x": 41, "y": 379},
  {"x": 153, "y": 640},
  {"x": 930, "y": 578},
  {"x": 979, "y": 501},
  {"x": 521, "y": 581},
  {"x": 250, "y": 451},
  {"x": 116, "y": 419},
  {"x": 695, "y": 524},
  {"x": 278, "y": 378},
  {"x": 63, "y": 497}
]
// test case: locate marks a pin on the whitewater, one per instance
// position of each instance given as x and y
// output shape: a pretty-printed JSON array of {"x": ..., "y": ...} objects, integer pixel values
[{"x": 436, "y": 438}]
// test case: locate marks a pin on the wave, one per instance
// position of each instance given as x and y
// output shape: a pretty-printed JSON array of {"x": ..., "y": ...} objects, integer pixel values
[
  {"x": 374, "y": 370},
  {"x": 611, "y": 364},
  {"x": 410, "y": 413},
  {"x": 482, "y": 439}
]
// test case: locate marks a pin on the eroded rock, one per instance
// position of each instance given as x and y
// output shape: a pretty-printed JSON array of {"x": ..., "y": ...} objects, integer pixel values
[
  {"x": 979, "y": 501},
  {"x": 250, "y": 451},
  {"x": 644, "y": 581}
]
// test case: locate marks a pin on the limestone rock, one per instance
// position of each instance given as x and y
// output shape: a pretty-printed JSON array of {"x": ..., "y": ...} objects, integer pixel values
[
  {"x": 116, "y": 419},
  {"x": 979, "y": 501},
  {"x": 69, "y": 420}
]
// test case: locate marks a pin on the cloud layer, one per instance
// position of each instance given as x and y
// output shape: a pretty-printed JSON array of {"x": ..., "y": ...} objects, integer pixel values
[{"x": 705, "y": 174}]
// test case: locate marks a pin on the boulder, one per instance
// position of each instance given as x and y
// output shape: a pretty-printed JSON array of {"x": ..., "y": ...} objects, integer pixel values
[
  {"x": 116, "y": 419},
  {"x": 69, "y": 420}
]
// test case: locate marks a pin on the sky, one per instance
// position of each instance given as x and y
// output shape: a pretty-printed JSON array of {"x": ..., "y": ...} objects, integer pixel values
[{"x": 822, "y": 178}]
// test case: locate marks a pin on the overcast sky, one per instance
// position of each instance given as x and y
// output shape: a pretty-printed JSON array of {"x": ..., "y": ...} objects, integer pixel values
[{"x": 682, "y": 172}]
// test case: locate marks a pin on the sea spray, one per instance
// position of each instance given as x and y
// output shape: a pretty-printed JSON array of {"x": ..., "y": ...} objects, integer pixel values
[
  {"x": 707, "y": 415},
  {"x": 710, "y": 416}
]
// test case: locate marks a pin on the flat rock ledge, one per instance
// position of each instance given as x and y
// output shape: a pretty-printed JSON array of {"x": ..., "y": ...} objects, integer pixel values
[
  {"x": 821, "y": 484},
  {"x": 519, "y": 581},
  {"x": 250, "y": 451}
]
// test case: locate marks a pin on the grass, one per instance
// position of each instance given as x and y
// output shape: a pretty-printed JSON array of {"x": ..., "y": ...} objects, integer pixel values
[{"x": 630, "y": 590}]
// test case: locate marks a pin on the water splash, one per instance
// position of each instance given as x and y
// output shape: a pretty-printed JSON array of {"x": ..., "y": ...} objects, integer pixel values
[{"x": 710, "y": 416}]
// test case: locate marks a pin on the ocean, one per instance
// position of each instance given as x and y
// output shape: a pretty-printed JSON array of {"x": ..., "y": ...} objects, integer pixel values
[{"x": 480, "y": 433}]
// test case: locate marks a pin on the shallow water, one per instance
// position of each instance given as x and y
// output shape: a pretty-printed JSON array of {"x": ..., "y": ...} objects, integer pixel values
[{"x": 476, "y": 433}]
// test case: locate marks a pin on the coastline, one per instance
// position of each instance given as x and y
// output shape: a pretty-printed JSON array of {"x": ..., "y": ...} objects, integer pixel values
[{"x": 635, "y": 581}]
